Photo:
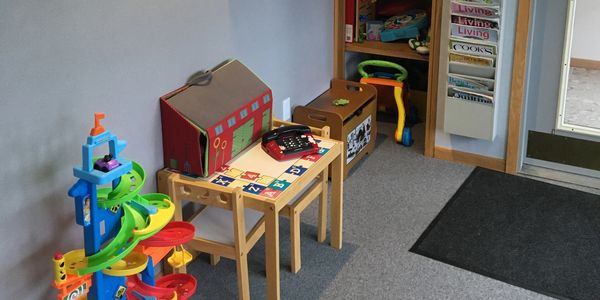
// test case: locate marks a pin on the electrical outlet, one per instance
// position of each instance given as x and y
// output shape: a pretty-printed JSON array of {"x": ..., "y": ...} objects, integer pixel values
[{"x": 286, "y": 114}]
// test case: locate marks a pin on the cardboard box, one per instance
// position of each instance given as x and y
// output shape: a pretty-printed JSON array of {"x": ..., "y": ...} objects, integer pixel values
[
  {"x": 206, "y": 125},
  {"x": 354, "y": 124}
]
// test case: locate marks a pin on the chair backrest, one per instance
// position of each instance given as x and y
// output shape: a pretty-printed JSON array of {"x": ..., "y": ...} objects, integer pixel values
[
  {"x": 210, "y": 197},
  {"x": 229, "y": 200}
]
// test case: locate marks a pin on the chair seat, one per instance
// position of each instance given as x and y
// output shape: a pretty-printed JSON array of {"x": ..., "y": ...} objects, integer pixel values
[{"x": 216, "y": 224}]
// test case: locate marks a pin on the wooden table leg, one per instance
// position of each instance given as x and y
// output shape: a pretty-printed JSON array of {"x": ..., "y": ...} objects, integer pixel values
[
  {"x": 272, "y": 252},
  {"x": 337, "y": 201},
  {"x": 322, "y": 234}
]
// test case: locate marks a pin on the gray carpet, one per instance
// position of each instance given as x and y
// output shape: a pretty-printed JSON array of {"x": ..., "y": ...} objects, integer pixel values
[{"x": 390, "y": 198}]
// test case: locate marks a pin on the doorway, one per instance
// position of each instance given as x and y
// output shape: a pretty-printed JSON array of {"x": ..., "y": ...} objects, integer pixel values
[{"x": 557, "y": 141}]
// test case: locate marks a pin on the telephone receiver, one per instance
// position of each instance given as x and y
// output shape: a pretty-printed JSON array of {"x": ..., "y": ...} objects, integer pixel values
[{"x": 284, "y": 130}]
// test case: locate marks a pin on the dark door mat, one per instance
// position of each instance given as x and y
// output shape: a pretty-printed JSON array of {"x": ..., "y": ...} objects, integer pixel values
[{"x": 524, "y": 232}]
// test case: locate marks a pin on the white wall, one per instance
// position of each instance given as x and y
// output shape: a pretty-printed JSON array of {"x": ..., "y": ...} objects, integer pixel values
[
  {"x": 63, "y": 60},
  {"x": 586, "y": 39}
]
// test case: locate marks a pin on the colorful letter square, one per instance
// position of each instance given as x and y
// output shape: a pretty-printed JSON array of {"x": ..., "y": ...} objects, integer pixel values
[
  {"x": 254, "y": 188},
  {"x": 222, "y": 180}
]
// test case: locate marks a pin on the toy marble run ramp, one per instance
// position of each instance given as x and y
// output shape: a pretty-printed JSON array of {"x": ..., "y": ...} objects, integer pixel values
[
  {"x": 130, "y": 184},
  {"x": 137, "y": 224},
  {"x": 115, "y": 219},
  {"x": 169, "y": 287}
]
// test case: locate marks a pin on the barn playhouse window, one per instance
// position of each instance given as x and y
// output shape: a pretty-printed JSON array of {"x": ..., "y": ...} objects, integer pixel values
[
  {"x": 243, "y": 113},
  {"x": 218, "y": 130},
  {"x": 231, "y": 122}
]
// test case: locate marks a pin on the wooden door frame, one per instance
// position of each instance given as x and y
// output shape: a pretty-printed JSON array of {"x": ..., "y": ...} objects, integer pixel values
[
  {"x": 432, "y": 78},
  {"x": 517, "y": 94}
]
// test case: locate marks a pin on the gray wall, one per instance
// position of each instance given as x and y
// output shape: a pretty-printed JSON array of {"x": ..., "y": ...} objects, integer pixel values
[
  {"x": 544, "y": 64},
  {"x": 544, "y": 70},
  {"x": 586, "y": 39},
  {"x": 61, "y": 61}
]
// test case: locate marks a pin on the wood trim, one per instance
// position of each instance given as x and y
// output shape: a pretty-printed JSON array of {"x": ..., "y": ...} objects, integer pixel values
[
  {"x": 517, "y": 93},
  {"x": 589, "y": 64},
  {"x": 432, "y": 85},
  {"x": 470, "y": 158},
  {"x": 339, "y": 57},
  {"x": 397, "y": 50}
]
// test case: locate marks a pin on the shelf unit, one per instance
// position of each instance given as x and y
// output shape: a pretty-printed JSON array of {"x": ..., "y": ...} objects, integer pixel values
[{"x": 396, "y": 50}]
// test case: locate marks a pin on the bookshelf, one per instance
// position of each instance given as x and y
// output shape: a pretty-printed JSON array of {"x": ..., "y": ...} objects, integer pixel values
[{"x": 394, "y": 50}]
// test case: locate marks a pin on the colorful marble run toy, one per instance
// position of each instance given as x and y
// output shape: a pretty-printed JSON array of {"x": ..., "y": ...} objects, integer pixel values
[{"x": 125, "y": 234}]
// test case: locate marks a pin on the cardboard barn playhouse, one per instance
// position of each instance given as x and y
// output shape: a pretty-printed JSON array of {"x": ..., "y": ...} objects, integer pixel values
[{"x": 205, "y": 124}]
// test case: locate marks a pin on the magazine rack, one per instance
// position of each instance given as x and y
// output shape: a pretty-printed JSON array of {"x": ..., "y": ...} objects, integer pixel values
[{"x": 476, "y": 67}]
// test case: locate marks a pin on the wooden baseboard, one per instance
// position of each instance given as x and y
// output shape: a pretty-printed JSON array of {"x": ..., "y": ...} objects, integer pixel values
[
  {"x": 470, "y": 158},
  {"x": 585, "y": 63}
]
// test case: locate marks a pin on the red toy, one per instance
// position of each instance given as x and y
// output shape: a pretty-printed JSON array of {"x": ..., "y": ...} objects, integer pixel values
[{"x": 289, "y": 142}]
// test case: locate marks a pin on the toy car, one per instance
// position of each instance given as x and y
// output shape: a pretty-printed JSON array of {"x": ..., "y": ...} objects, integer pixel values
[{"x": 106, "y": 163}]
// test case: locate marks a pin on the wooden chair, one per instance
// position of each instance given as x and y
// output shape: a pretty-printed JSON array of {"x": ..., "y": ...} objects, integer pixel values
[
  {"x": 224, "y": 227},
  {"x": 317, "y": 188}
]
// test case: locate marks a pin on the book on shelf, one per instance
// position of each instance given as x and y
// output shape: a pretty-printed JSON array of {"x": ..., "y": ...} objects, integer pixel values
[
  {"x": 475, "y": 10},
  {"x": 465, "y": 83},
  {"x": 475, "y": 22},
  {"x": 470, "y": 95},
  {"x": 467, "y": 47},
  {"x": 349, "y": 21},
  {"x": 472, "y": 32},
  {"x": 471, "y": 70},
  {"x": 480, "y": 2},
  {"x": 365, "y": 11},
  {"x": 471, "y": 59},
  {"x": 476, "y": 83}
]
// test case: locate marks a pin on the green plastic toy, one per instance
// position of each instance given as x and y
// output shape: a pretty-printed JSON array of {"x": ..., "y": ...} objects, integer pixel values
[{"x": 341, "y": 102}]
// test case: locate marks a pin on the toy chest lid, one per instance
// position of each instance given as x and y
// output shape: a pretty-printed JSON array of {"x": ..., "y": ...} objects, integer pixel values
[
  {"x": 359, "y": 95},
  {"x": 232, "y": 85}
]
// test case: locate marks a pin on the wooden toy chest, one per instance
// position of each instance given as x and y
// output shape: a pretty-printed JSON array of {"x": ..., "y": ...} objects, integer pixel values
[{"x": 354, "y": 124}]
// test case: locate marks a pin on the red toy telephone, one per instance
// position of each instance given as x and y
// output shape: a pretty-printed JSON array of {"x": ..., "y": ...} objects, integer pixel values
[{"x": 289, "y": 142}]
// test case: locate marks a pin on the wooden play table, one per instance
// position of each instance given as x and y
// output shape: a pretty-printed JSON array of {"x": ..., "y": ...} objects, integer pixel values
[{"x": 268, "y": 185}]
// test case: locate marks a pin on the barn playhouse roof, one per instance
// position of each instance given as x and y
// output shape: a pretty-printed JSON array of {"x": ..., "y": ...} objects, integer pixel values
[{"x": 232, "y": 85}]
